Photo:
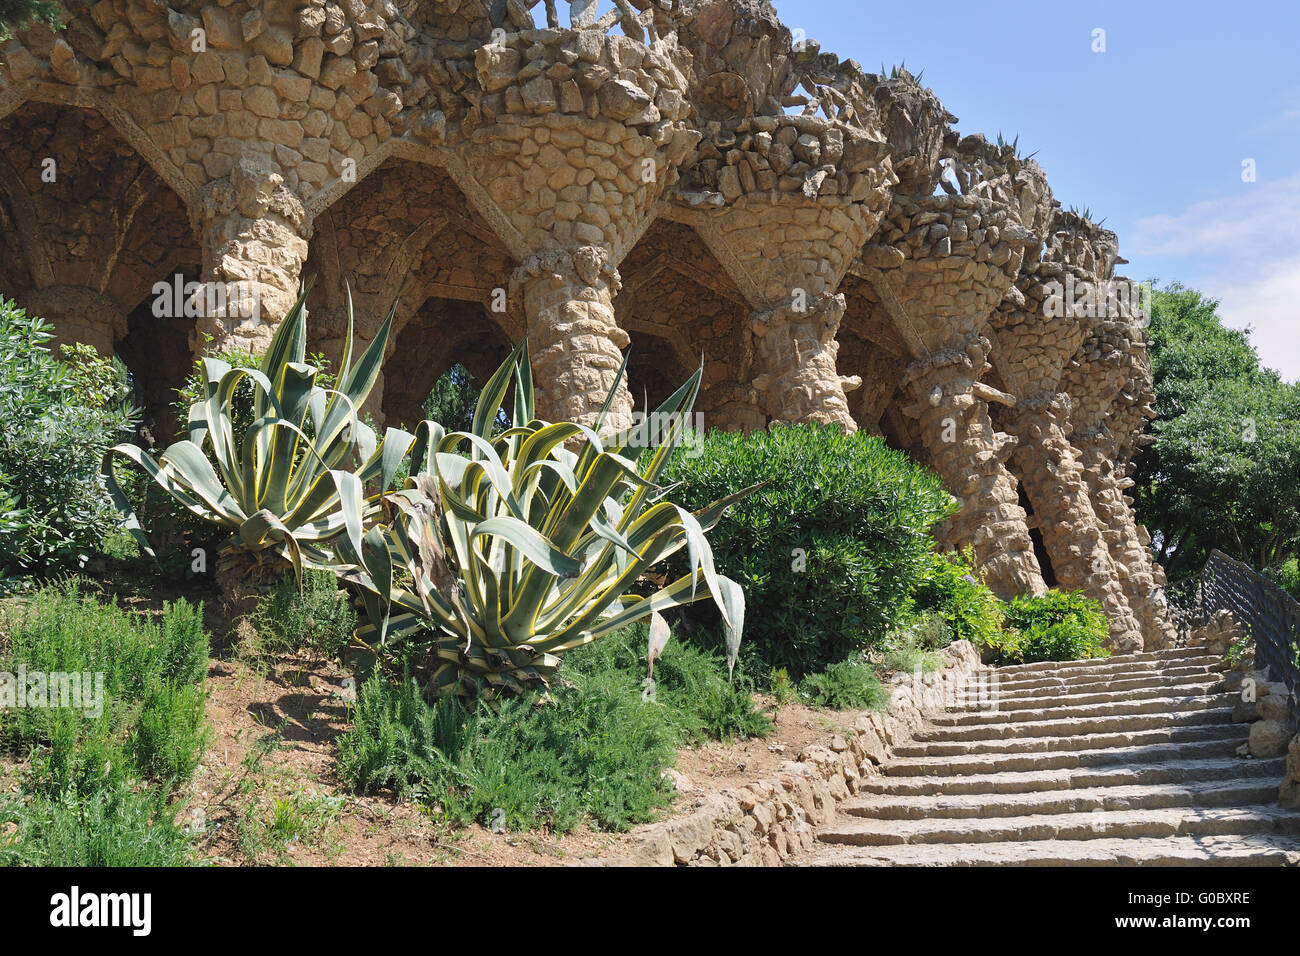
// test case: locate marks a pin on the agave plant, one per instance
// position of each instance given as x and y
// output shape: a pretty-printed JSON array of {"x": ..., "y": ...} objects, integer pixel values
[
  {"x": 505, "y": 551},
  {"x": 275, "y": 483}
]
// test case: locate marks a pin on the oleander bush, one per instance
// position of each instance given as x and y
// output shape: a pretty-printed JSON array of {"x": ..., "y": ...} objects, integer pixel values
[
  {"x": 59, "y": 418},
  {"x": 830, "y": 547}
]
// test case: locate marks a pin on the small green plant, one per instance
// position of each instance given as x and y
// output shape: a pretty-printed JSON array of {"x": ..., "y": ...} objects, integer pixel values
[
  {"x": 845, "y": 685},
  {"x": 316, "y": 617},
  {"x": 1056, "y": 626},
  {"x": 1238, "y": 650},
  {"x": 782, "y": 687},
  {"x": 303, "y": 816},
  {"x": 952, "y": 592},
  {"x": 910, "y": 657}
]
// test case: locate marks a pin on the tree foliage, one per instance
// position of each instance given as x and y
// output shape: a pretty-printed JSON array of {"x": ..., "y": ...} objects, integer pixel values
[
  {"x": 1225, "y": 464},
  {"x": 16, "y": 14}
]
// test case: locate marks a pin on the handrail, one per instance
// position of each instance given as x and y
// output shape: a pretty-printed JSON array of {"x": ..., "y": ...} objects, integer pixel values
[{"x": 1269, "y": 614}]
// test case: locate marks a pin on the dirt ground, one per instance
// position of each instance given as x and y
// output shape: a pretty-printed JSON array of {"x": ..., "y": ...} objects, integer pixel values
[
  {"x": 296, "y": 709},
  {"x": 267, "y": 792}
]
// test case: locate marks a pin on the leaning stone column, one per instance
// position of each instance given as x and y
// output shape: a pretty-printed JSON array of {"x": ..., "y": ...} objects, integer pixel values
[
  {"x": 1033, "y": 348},
  {"x": 794, "y": 250},
  {"x": 254, "y": 235},
  {"x": 1108, "y": 365},
  {"x": 945, "y": 265},
  {"x": 576, "y": 345},
  {"x": 573, "y": 138},
  {"x": 794, "y": 361},
  {"x": 1071, "y": 529},
  {"x": 970, "y": 455}
]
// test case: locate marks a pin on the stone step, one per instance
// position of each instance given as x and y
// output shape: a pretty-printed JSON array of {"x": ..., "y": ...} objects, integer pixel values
[
  {"x": 1172, "y": 771},
  {"x": 1188, "y": 713},
  {"x": 1165, "y": 731},
  {"x": 1174, "y": 656},
  {"x": 1156, "y": 692},
  {"x": 1164, "y": 823},
  {"x": 1087, "y": 682},
  {"x": 994, "y": 763},
  {"x": 1175, "y": 851},
  {"x": 1215, "y": 793}
]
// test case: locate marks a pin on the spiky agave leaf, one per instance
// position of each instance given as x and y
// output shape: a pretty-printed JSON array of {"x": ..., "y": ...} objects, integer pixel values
[
  {"x": 545, "y": 543},
  {"x": 276, "y": 486}
]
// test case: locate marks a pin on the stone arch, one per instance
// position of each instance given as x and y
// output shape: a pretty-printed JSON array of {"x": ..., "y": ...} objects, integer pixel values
[
  {"x": 679, "y": 305},
  {"x": 89, "y": 227},
  {"x": 871, "y": 347},
  {"x": 451, "y": 164},
  {"x": 445, "y": 332},
  {"x": 107, "y": 105},
  {"x": 407, "y": 234}
]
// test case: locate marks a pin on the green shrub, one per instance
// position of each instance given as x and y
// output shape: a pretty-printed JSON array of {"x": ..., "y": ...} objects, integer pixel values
[
  {"x": 319, "y": 617},
  {"x": 594, "y": 752},
  {"x": 690, "y": 683},
  {"x": 845, "y": 685},
  {"x": 110, "y": 826},
  {"x": 951, "y": 590},
  {"x": 1054, "y": 627},
  {"x": 828, "y": 550},
  {"x": 169, "y": 735},
  {"x": 149, "y": 719},
  {"x": 910, "y": 657},
  {"x": 59, "y": 417},
  {"x": 1286, "y": 576}
]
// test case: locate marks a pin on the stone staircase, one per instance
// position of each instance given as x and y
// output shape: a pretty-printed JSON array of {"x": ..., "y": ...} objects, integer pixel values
[{"x": 1130, "y": 760}]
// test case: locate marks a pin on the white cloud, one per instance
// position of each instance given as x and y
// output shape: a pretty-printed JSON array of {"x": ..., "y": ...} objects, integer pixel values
[
  {"x": 1253, "y": 223},
  {"x": 1242, "y": 250},
  {"x": 1270, "y": 304}
]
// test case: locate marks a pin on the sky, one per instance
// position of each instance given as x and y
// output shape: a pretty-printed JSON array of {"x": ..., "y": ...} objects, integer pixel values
[{"x": 1150, "y": 134}]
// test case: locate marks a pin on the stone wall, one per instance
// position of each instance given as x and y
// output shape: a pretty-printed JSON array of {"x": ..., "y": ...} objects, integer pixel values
[
  {"x": 684, "y": 178},
  {"x": 770, "y": 820}
]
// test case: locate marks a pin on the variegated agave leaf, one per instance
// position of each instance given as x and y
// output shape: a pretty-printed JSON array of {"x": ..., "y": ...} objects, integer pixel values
[
  {"x": 276, "y": 485},
  {"x": 545, "y": 544}
]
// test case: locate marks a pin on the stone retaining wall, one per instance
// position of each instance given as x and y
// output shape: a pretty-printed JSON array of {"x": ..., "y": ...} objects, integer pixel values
[{"x": 771, "y": 820}]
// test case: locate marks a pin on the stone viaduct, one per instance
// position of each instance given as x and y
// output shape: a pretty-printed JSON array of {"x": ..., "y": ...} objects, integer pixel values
[{"x": 682, "y": 178}]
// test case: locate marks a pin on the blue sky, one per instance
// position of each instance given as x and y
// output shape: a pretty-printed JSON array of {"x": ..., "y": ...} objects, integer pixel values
[{"x": 1151, "y": 134}]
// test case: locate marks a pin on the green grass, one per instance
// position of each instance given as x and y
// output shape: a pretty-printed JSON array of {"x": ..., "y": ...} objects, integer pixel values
[
  {"x": 99, "y": 775},
  {"x": 595, "y": 752}
]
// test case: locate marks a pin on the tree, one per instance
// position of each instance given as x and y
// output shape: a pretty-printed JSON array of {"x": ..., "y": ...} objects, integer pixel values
[
  {"x": 16, "y": 14},
  {"x": 453, "y": 399},
  {"x": 1225, "y": 464}
]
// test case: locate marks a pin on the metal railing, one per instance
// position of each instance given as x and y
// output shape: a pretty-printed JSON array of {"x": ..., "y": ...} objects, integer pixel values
[{"x": 1269, "y": 615}]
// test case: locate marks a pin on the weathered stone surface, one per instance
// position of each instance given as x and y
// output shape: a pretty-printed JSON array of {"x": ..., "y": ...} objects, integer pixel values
[{"x": 770, "y": 207}]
